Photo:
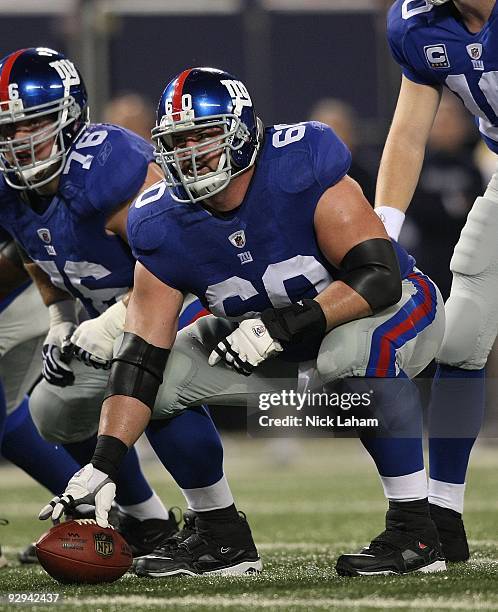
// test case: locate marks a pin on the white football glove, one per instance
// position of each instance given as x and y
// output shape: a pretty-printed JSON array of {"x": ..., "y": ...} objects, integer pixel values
[
  {"x": 246, "y": 347},
  {"x": 56, "y": 351},
  {"x": 93, "y": 341},
  {"x": 88, "y": 486}
]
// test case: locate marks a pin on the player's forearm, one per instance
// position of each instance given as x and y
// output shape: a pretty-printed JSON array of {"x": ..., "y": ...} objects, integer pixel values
[
  {"x": 370, "y": 281},
  {"x": 404, "y": 152},
  {"x": 49, "y": 293},
  {"x": 134, "y": 380},
  {"x": 341, "y": 304},
  {"x": 399, "y": 171}
]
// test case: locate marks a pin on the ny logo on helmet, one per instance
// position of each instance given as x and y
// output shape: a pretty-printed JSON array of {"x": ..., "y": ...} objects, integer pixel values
[
  {"x": 67, "y": 72},
  {"x": 239, "y": 94}
]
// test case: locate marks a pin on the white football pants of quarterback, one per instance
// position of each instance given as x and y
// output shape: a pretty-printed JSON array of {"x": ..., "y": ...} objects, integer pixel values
[{"x": 472, "y": 308}]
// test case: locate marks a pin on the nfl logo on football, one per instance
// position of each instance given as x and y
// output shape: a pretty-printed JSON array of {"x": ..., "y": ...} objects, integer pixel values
[{"x": 104, "y": 545}]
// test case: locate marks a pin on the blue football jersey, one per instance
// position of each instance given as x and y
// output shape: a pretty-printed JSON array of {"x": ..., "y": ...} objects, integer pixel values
[
  {"x": 263, "y": 255},
  {"x": 105, "y": 167},
  {"x": 433, "y": 47}
]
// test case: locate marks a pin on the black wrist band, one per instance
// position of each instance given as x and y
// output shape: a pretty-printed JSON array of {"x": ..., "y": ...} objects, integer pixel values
[
  {"x": 108, "y": 454},
  {"x": 293, "y": 324}
]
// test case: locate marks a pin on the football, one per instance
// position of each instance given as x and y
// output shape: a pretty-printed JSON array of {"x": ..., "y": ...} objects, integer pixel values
[{"x": 80, "y": 551}]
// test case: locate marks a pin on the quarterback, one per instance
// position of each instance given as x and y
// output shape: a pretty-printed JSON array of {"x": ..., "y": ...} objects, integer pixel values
[
  {"x": 64, "y": 197},
  {"x": 267, "y": 229},
  {"x": 444, "y": 43}
]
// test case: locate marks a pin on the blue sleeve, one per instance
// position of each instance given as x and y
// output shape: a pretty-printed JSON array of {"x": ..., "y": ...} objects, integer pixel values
[
  {"x": 118, "y": 170},
  {"x": 150, "y": 244},
  {"x": 330, "y": 157},
  {"x": 397, "y": 37}
]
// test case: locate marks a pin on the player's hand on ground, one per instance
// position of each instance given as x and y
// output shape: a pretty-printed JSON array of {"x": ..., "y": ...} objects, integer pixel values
[
  {"x": 88, "y": 486},
  {"x": 93, "y": 340},
  {"x": 56, "y": 355},
  {"x": 246, "y": 347}
]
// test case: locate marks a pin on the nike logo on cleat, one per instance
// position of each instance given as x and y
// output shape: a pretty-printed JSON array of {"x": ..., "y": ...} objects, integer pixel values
[{"x": 224, "y": 549}]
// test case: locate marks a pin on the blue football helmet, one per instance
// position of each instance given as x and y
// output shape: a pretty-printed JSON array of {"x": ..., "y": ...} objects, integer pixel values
[
  {"x": 199, "y": 99},
  {"x": 38, "y": 86}
]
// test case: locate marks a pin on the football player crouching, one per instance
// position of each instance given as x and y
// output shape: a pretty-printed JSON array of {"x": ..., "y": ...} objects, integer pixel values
[{"x": 268, "y": 230}]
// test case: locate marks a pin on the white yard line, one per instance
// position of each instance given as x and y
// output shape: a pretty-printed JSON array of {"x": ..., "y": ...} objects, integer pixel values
[{"x": 254, "y": 602}]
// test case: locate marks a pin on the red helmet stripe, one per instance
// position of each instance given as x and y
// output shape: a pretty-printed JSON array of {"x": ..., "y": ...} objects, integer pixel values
[
  {"x": 5, "y": 76},
  {"x": 177, "y": 94}
]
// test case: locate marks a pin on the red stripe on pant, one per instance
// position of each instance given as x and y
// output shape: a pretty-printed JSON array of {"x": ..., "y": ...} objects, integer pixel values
[{"x": 420, "y": 311}]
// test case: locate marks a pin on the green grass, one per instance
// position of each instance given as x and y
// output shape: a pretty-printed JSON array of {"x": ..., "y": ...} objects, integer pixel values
[{"x": 324, "y": 501}]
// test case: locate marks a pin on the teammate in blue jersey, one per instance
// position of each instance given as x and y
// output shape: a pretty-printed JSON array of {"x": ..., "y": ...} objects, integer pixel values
[
  {"x": 64, "y": 196},
  {"x": 441, "y": 43},
  {"x": 267, "y": 229},
  {"x": 23, "y": 326}
]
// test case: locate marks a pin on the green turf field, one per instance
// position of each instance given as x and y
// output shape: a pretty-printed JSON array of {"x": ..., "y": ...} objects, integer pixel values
[{"x": 306, "y": 504}]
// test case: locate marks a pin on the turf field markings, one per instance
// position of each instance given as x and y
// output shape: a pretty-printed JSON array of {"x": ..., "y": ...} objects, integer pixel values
[{"x": 251, "y": 601}]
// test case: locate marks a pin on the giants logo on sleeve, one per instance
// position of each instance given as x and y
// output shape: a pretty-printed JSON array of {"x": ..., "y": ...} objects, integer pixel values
[{"x": 437, "y": 56}]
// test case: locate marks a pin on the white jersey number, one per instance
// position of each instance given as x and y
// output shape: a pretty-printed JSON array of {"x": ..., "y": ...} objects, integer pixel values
[
  {"x": 408, "y": 10},
  {"x": 152, "y": 194},
  {"x": 76, "y": 271},
  {"x": 488, "y": 84},
  {"x": 90, "y": 139},
  {"x": 286, "y": 134},
  {"x": 274, "y": 283}
]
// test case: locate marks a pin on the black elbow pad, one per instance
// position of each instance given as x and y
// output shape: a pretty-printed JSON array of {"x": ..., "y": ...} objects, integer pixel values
[
  {"x": 137, "y": 370},
  {"x": 371, "y": 268}
]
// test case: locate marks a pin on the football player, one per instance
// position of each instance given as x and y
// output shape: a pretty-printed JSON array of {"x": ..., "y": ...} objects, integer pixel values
[
  {"x": 442, "y": 43},
  {"x": 23, "y": 326},
  {"x": 268, "y": 230},
  {"x": 64, "y": 195}
]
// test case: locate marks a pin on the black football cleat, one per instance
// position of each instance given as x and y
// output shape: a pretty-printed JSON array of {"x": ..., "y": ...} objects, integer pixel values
[
  {"x": 188, "y": 529},
  {"x": 172, "y": 541},
  {"x": 410, "y": 543},
  {"x": 145, "y": 536},
  {"x": 451, "y": 533},
  {"x": 392, "y": 553},
  {"x": 226, "y": 549}
]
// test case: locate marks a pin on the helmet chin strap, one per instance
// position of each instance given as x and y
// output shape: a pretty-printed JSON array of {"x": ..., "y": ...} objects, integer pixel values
[
  {"x": 438, "y": 2},
  {"x": 210, "y": 183}
]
